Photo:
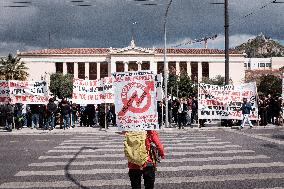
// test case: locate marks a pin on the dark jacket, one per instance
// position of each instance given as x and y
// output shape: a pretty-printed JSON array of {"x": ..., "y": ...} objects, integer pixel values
[
  {"x": 246, "y": 108},
  {"x": 65, "y": 109},
  {"x": 51, "y": 108}
]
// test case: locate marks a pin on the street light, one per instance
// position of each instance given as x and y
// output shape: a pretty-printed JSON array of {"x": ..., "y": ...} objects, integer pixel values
[{"x": 166, "y": 74}]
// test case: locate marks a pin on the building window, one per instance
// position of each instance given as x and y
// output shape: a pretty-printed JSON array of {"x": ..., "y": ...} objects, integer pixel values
[
  {"x": 70, "y": 68},
  {"x": 160, "y": 68},
  {"x": 268, "y": 65},
  {"x": 261, "y": 65},
  {"x": 205, "y": 69},
  {"x": 145, "y": 66},
  {"x": 172, "y": 68},
  {"x": 93, "y": 70},
  {"x": 248, "y": 65},
  {"x": 183, "y": 67},
  {"x": 245, "y": 65},
  {"x": 132, "y": 66},
  {"x": 119, "y": 67},
  {"x": 104, "y": 69},
  {"x": 81, "y": 70},
  {"x": 59, "y": 67},
  {"x": 194, "y": 71}
]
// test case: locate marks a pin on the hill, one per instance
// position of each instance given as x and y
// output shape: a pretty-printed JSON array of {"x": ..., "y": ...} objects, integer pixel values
[{"x": 261, "y": 47}]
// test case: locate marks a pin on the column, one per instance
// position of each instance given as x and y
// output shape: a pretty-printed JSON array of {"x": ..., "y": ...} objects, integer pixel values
[
  {"x": 75, "y": 69},
  {"x": 153, "y": 66},
  {"x": 110, "y": 66},
  {"x": 64, "y": 68},
  {"x": 87, "y": 70},
  {"x": 98, "y": 70},
  {"x": 177, "y": 68},
  {"x": 126, "y": 66},
  {"x": 139, "y": 65},
  {"x": 188, "y": 67},
  {"x": 199, "y": 71}
]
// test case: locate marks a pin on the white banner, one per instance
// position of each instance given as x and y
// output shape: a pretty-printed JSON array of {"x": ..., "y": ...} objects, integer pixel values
[
  {"x": 92, "y": 91},
  {"x": 159, "y": 87},
  {"x": 224, "y": 102},
  {"x": 26, "y": 92},
  {"x": 135, "y": 101}
]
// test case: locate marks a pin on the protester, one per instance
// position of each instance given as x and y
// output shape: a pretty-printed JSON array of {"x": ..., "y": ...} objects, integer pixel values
[
  {"x": 51, "y": 113},
  {"x": 18, "y": 115},
  {"x": 35, "y": 115},
  {"x": 246, "y": 109},
  {"x": 65, "y": 113},
  {"x": 42, "y": 115},
  {"x": 194, "y": 110},
  {"x": 182, "y": 112},
  {"x": 8, "y": 114},
  {"x": 262, "y": 106},
  {"x": 161, "y": 111},
  {"x": 149, "y": 167},
  {"x": 74, "y": 115}
]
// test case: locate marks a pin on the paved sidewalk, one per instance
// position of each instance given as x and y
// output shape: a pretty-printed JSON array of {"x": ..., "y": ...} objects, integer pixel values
[{"x": 111, "y": 129}]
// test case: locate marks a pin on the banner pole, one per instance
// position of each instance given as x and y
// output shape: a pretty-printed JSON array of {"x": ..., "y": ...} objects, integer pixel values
[{"x": 105, "y": 118}]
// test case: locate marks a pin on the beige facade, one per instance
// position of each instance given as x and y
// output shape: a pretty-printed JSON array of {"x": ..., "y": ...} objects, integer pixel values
[{"x": 93, "y": 63}]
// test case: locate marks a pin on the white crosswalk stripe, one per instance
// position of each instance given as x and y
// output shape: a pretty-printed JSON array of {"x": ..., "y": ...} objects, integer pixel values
[{"x": 100, "y": 160}]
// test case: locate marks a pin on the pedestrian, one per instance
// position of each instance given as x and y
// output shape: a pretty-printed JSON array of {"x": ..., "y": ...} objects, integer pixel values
[
  {"x": 18, "y": 116},
  {"x": 246, "y": 109},
  {"x": 263, "y": 111},
  {"x": 8, "y": 114},
  {"x": 182, "y": 111},
  {"x": 194, "y": 110},
  {"x": 65, "y": 113},
  {"x": 42, "y": 116},
  {"x": 148, "y": 169},
  {"x": 51, "y": 114},
  {"x": 35, "y": 115},
  {"x": 74, "y": 114}
]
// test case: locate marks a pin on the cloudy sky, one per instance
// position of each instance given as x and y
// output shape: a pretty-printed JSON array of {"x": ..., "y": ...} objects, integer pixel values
[{"x": 109, "y": 23}]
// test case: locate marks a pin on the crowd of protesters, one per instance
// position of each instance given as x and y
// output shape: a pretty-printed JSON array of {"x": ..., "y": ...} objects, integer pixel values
[
  {"x": 182, "y": 112},
  {"x": 63, "y": 114}
]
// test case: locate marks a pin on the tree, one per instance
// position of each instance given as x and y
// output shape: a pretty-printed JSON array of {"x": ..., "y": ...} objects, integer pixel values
[
  {"x": 270, "y": 84},
  {"x": 181, "y": 85},
  {"x": 11, "y": 68},
  {"x": 61, "y": 86}
]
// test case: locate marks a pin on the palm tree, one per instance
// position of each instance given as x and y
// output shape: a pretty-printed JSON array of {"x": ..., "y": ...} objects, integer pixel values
[{"x": 12, "y": 69}]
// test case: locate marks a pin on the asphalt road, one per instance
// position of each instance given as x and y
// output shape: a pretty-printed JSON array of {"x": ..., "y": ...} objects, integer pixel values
[{"x": 195, "y": 158}]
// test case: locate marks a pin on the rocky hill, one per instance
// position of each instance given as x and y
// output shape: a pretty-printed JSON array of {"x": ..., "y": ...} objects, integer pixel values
[{"x": 261, "y": 47}]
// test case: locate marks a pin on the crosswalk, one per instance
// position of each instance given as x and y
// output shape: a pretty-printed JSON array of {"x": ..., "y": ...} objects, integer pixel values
[{"x": 193, "y": 160}]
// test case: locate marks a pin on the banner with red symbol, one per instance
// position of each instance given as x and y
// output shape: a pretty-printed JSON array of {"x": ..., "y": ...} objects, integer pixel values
[{"x": 135, "y": 101}]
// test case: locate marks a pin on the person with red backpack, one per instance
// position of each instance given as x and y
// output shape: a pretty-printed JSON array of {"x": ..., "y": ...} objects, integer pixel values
[{"x": 153, "y": 149}]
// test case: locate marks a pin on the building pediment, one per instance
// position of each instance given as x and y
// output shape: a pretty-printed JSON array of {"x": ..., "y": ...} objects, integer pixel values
[{"x": 132, "y": 49}]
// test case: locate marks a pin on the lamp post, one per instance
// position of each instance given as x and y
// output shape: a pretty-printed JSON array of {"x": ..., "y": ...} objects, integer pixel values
[{"x": 166, "y": 74}]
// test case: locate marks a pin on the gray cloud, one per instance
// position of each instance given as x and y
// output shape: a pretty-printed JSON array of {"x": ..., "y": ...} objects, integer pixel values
[{"x": 108, "y": 23}]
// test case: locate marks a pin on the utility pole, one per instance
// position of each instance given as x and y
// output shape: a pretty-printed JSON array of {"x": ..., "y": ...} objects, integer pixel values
[
  {"x": 226, "y": 25},
  {"x": 227, "y": 73}
]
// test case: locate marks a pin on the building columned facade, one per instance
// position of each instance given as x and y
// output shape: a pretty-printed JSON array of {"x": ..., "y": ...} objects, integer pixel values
[
  {"x": 95, "y": 63},
  {"x": 264, "y": 63}
]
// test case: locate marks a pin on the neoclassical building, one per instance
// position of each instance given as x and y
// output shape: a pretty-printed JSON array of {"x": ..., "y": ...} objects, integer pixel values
[{"x": 94, "y": 63}]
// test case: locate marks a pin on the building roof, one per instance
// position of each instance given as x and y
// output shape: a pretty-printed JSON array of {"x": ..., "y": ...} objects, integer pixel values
[{"x": 90, "y": 51}]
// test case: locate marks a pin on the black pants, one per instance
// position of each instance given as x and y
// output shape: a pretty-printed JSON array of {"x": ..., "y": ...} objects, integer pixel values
[
  {"x": 148, "y": 176},
  {"x": 181, "y": 120}
]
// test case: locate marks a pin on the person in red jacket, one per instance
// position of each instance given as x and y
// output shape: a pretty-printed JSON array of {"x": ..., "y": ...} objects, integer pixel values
[{"x": 148, "y": 169}]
